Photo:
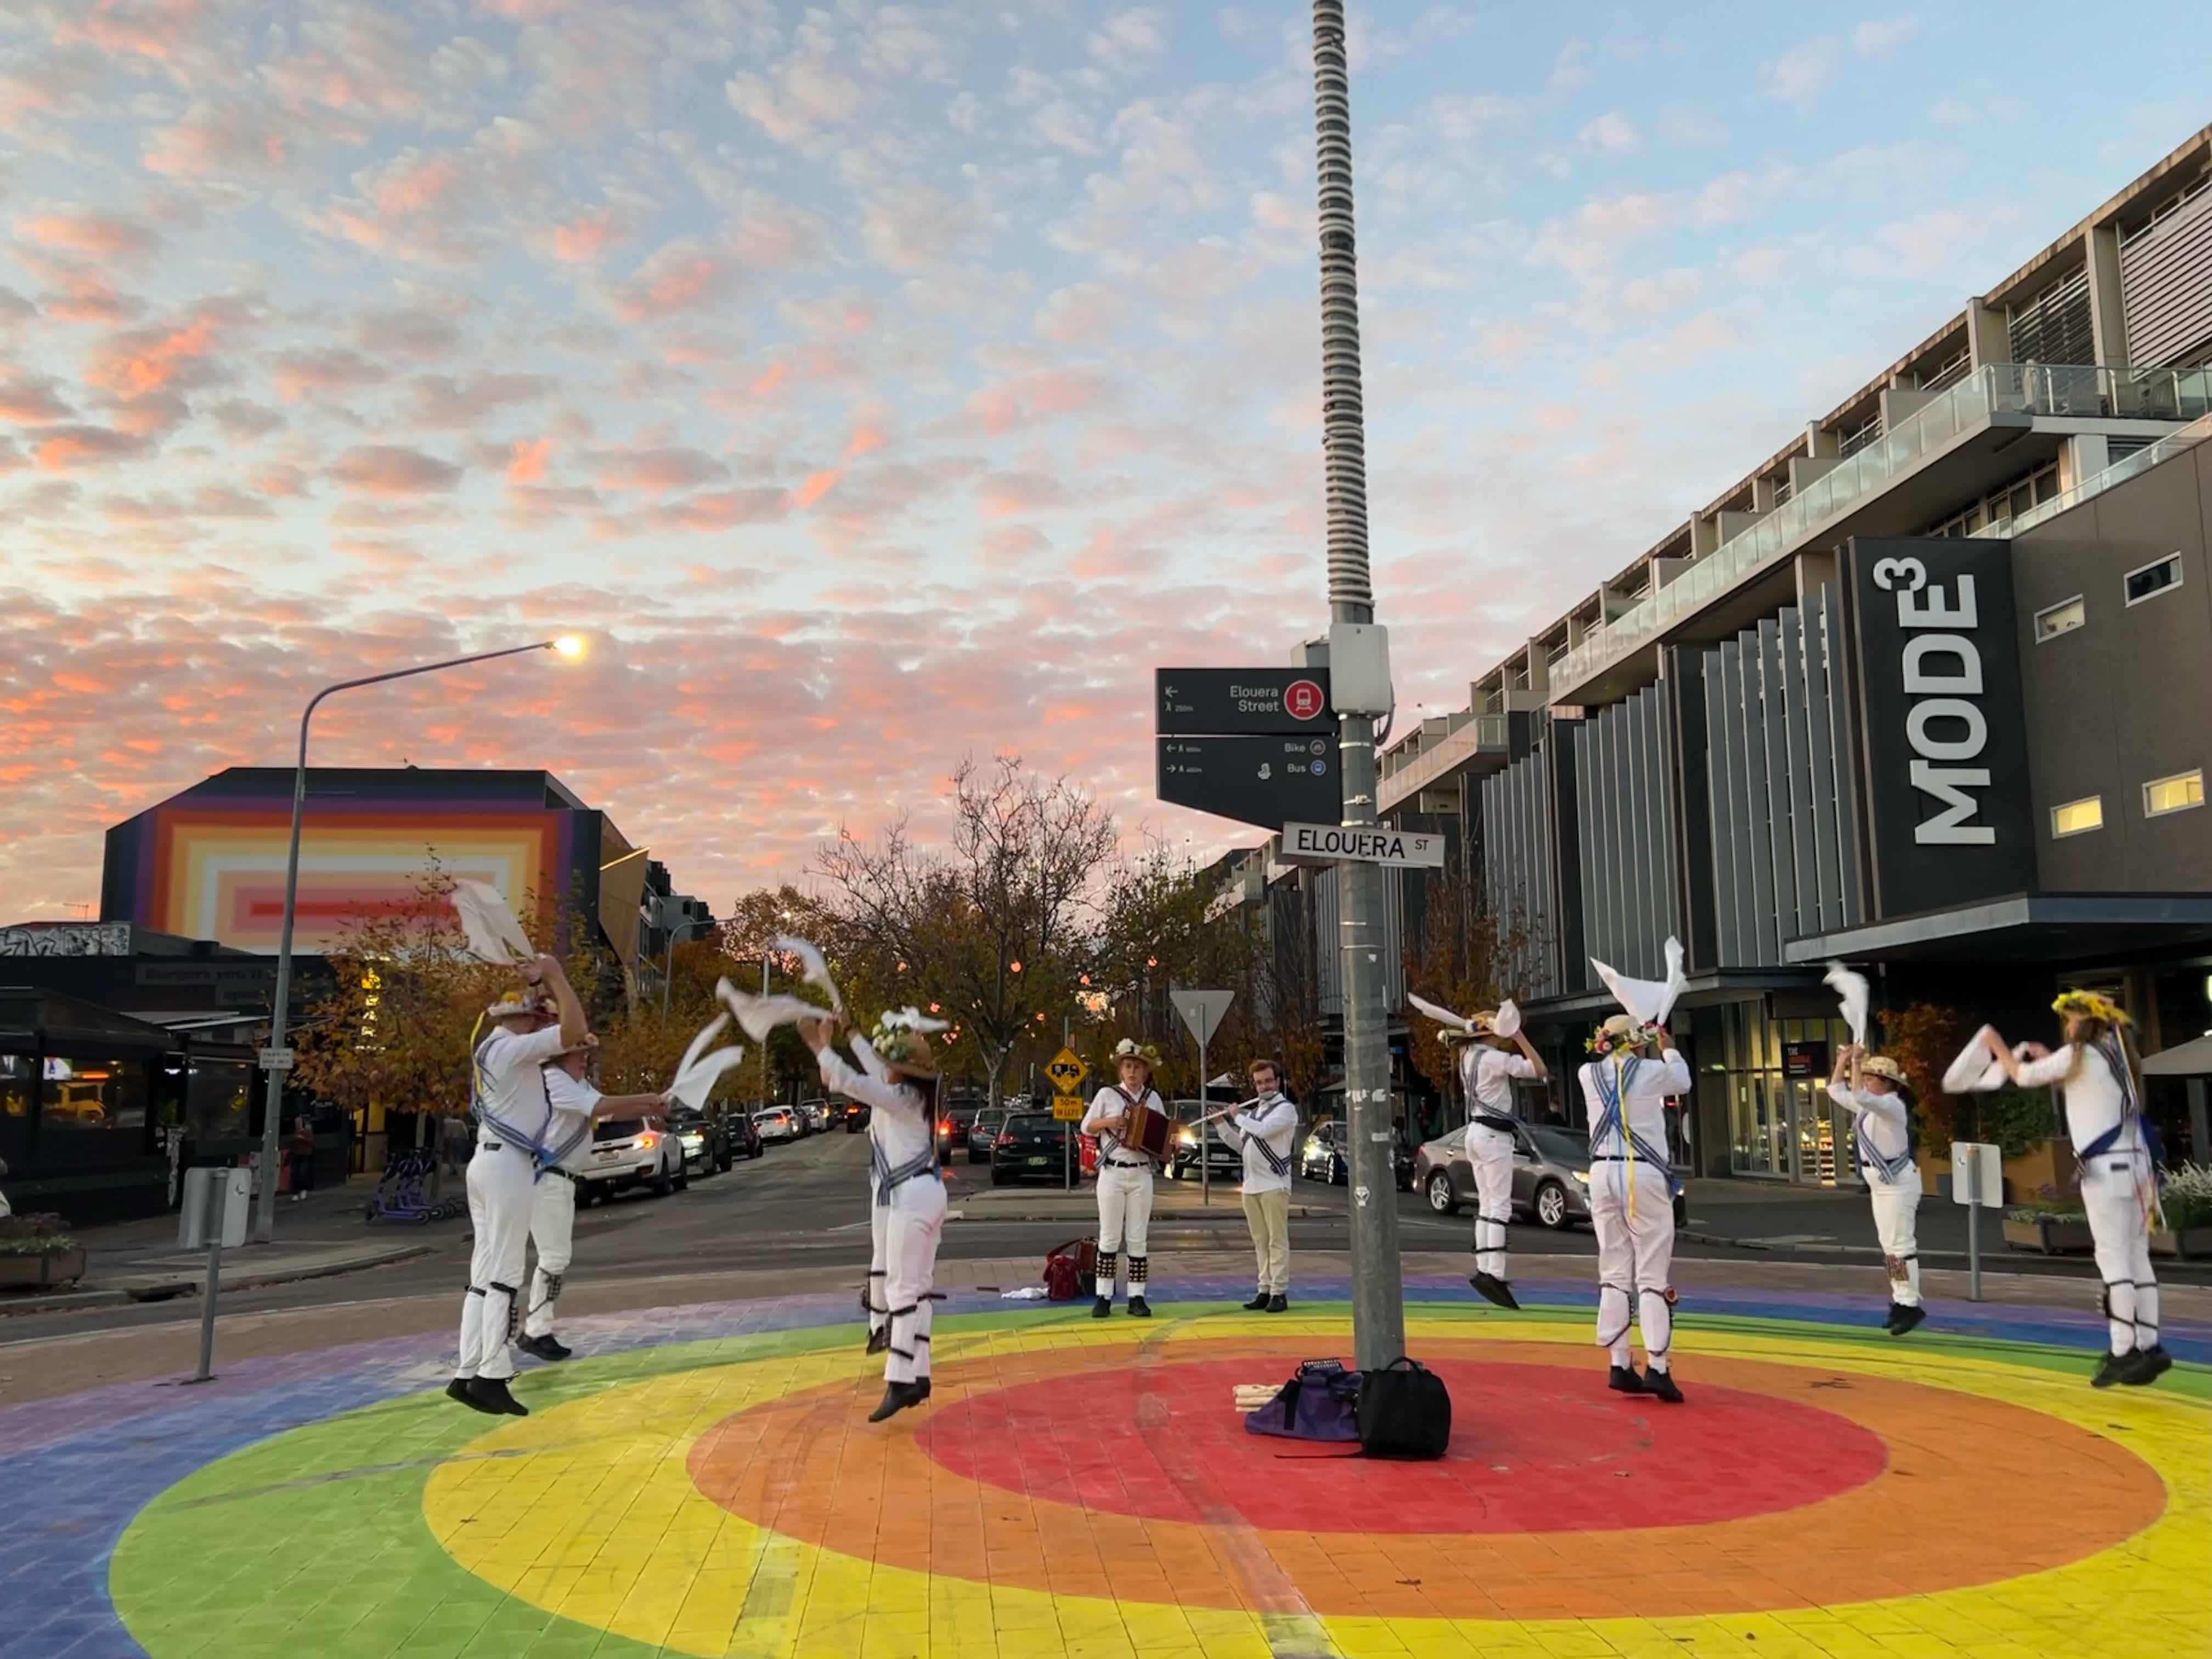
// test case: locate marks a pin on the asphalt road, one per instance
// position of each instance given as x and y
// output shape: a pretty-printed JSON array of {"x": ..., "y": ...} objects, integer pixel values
[{"x": 804, "y": 1205}]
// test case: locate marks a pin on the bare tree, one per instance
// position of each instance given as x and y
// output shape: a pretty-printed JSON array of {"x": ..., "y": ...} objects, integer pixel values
[{"x": 1463, "y": 957}]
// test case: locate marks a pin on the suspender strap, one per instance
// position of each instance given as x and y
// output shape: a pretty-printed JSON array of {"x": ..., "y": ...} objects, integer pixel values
[
  {"x": 2130, "y": 1108},
  {"x": 888, "y": 1180},
  {"x": 541, "y": 1157},
  {"x": 1612, "y": 1092},
  {"x": 1889, "y": 1168}
]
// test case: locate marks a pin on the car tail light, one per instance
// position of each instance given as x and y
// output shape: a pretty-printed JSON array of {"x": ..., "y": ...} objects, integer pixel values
[
  {"x": 648, "y": 1139},
  {"x": 1005, "y": 1141}
]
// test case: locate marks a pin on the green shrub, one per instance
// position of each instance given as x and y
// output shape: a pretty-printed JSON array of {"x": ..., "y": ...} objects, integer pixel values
[
  {"x": 34, "y": 1235},
  {"x": 2187, "y": 1197}
]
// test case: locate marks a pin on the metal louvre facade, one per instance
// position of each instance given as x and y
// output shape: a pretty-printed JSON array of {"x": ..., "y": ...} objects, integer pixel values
[
  {"x": 1783, "y": 852},
  {"x": 1626, "y": 818},
  {"x": 1328, "y": 965},
  {"x": 2166, "y": 280},
  {"x": 1517, "y": 869}
]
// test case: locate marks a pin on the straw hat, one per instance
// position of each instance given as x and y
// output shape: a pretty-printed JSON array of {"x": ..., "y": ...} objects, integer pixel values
[
  {"x": 903, "y": 1048},
  {"x": 1144, "y": 1053},
  {"x": 517, "y": 1003},
  {"x": 1882, "y": 1065}
]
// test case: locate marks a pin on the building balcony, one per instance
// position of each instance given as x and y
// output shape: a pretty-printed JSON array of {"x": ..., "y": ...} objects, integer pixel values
[
  {"x": 1477, "y": 745},
  {"x": 1972, "y": 431}
]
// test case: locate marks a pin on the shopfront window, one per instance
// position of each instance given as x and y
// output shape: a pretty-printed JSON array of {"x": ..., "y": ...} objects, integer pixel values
[
  {"x": 18, "y": 1073},
  {"x": 218, "y": 1098},
  {"x": 1781, "y": 1122},
  {"x": 91, "y": 1096}
]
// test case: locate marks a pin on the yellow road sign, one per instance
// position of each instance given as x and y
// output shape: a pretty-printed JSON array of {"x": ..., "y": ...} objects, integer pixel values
[
  {"x": 1067, "y": 1109},
  {"x": 1067, "y": 1070}
]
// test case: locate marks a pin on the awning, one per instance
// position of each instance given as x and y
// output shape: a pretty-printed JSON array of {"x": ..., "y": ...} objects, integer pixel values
[
  {"x": 2192, "y": 1059},
  {"x": 2053, "y": 927}
]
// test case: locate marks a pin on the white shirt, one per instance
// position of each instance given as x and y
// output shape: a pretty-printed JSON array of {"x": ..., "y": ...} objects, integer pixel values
[
  {"x": 1268, "y": 1130},
  {"x": 2095, "y": 1099},
  {"x": 572, "y": 1100},
  {"x": 1643, "y": 1107},
  {"x": 1881, "y": 1125},
  {"x": 899, "y": 1123},
  {"x": 510, "y": 1086},
  {"x": 1488, "y": 1076},
  {"x": 1110, "y": 1102}
]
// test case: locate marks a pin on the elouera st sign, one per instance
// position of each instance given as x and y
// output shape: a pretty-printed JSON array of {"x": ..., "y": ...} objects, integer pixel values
[{"x": 1334, "y": 843}]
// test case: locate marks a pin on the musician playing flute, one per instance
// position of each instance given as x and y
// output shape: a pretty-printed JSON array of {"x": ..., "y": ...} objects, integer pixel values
[
  {"x": 1125, "y": 1176},
  {"x": 1264, "y": 1127}
]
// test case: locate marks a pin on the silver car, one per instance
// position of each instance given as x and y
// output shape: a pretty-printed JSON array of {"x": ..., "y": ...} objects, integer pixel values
[{"x": 1551, "y": 1175}]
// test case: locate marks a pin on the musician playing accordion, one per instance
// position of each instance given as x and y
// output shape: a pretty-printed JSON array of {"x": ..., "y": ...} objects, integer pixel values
[{"x": 1120, "y": 1118}]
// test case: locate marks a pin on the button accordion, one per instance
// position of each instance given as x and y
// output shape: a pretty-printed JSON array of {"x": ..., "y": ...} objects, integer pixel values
[{"x": 1146, "y": 1131}]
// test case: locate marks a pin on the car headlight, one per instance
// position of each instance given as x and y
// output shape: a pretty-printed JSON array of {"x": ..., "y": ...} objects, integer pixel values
[{"x": 1583, "y": 1176}]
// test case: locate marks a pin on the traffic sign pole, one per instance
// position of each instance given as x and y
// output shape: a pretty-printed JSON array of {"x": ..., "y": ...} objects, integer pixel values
[{"x": 1067, "y": 1070}]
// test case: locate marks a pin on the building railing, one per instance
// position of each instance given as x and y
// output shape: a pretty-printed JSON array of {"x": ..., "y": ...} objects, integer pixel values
[
  {"x": 2096, "y": 484},
  {"x": 2079, "y": 391}
]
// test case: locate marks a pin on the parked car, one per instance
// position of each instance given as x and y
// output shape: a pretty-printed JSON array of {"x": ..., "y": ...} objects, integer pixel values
[
  {"x": 983, "y": 1132},
  {"x": 1030, "y": 1147},
  {"x": 857, "y": 1114},
  {"x": 953, "y": 1123},
  {"x": 1224, "y": 1157},
  {"x": 744, "y": 1133},
  {"x": 814, "y": 1116},
  {"x": 1324, "y": 1156},
  {"x": 633, "y": 1151},
  {"x": 705, "y": 1141},
  {"x": 1551, "y": 1175},
  {"x": 778, "y": 1123}
]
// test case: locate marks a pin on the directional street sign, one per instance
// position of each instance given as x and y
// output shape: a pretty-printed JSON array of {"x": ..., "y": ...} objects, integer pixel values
[
  {"x": 1242, "y": 703},
  {"x": 1261, "y": 780},
  {"x": 1067, "y": 1109},
  {"x": 1330, "y": 843},
  {"x": 1067, "y": 1070}
]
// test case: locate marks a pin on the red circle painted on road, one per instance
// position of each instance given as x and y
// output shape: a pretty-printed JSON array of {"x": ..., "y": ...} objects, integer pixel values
[
  {"x": 1533, "y": 1448},
  {"x": 1302, "y": 699}
]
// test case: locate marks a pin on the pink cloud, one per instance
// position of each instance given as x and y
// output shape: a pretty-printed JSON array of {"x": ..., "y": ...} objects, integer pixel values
[
  {"x": 658, "y": 470},
  {"x": 62, "y": 448},
  {"x": 32, "y": 400},
  {"x": 530, "y": 460},
  {"x": 816, "y": 485},
  {"x": 388, "y": 470},
  {"x": 683, "y": 276},
  {"x": 584, "y": 238},
  {"x": 86, "y": 231}
]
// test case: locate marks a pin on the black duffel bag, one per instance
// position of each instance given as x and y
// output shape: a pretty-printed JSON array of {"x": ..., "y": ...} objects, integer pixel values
[{"x": 1404, "y": 1411}]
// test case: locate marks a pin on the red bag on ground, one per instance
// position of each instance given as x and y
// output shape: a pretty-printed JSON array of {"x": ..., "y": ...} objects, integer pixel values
[{"x": 1069, "y": 1267}]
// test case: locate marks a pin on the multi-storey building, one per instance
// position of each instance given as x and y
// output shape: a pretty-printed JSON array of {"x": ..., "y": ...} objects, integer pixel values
[{"x": 1925, "y": 690}]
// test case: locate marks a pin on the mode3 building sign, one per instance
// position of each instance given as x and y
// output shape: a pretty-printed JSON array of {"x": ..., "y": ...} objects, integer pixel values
[{"x": 1943, "y": 756}]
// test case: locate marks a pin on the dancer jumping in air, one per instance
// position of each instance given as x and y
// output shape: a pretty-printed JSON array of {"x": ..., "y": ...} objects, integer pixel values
[{"x": 1874, "y": 1089}]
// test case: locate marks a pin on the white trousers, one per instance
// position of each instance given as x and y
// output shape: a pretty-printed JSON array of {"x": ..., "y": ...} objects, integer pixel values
[
  {"x": 553, "y": 1236},
  {"x": 1490, "y": 1151},
  {"x": 912, "y": 1223},
  {"x": 2113, "y": 1192},
  {"x": 1896, "y": 1222},
  {"x": 872, "y": 1296},
  {"x": 1635, "y": 1231},
  {"x": 1125, "y": 1217},
  {"x": 500, "y": 1193}
]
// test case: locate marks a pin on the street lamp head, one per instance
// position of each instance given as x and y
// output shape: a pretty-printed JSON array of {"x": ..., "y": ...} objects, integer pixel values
[{"x": 570, "y": 646}]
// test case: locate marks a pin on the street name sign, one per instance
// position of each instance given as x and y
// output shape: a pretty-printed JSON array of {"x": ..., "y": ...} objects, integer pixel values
[
  {"x": 1066, "y": 1069},
  {"x": 1242, "y": 703},
  {"x": 1332, "y": 843},
  {"x": 1259, "y": 781},
  {"x": 1067, "y": 1109},
  {"x": 273, "y": 1060}
]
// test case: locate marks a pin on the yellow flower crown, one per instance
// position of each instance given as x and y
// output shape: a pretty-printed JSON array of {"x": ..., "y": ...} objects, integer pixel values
[
  {"x": 1602, "y": 1042},
  {"x": 2091, "y": 1005}
]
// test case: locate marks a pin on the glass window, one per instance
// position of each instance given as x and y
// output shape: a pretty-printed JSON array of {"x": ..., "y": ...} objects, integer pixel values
[
  {"x": 2153, "y": 579},
  {"x": 2175, "y": 794},
  {"x": 2077, "y": 817},
  {"x": 84, "y": 1094},
  {"x": 2061, "y": 618},
  {"x": 217, "y": 1098}
]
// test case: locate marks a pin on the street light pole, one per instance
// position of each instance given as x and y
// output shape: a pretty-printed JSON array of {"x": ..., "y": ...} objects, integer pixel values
[
  {"x": 264, "y": 1217},
  {"x": 1378, "y": 1308}
]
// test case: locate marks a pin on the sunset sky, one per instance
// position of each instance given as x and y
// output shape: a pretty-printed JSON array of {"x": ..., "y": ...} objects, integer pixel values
[{"x": 878, "y": 384}]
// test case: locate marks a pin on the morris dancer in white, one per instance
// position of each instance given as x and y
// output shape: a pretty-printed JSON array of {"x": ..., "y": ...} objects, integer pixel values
[
  {"x": 1874, "y": 1089},
  {"x": 1625, "y": 1093},
  {"x": 905, "y": 1182},
  {"x": 1267, "y": 1127},
  {"x": 1488, "y": 1069},
  {"x": 514, "y": 1120},
  {"x": 2102, "y": 1080},
  {"x": 873, "y": 1302},
  {"x": 1125, "y": 1177},
  {"x": 576, "y": 1107}
]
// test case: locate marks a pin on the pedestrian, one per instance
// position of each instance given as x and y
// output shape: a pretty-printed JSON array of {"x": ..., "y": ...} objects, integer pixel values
[
  {"x": 904, "y": 1182},
  {"x": 302, "y": 1157},
  {"x": 1488, "y": 1069},
  {"x": 1625, "y": 1089},
  {"x": 576, "y": 1106},
  {"x": 514, "y": 1116},
  {"x": 1265, "y": 1128},
  {"x": 2097, "y": 1071},
  {"x": 1125, "y": 1175},
  {"x": 1874, "y": 1089}
]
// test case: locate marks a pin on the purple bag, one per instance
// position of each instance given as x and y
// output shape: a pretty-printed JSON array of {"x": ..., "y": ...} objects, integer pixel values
[{"x": 1321, "y": 1402}]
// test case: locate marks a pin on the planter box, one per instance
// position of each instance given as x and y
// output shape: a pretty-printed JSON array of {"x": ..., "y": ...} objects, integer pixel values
[
  {"x": 2051, "y": 1237},
  {"x": 41, "y": 1272},
  {"x": 2190, "y": 1243}
]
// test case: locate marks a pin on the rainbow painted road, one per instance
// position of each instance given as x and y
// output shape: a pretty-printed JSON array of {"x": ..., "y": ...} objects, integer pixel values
[{"x": 704, "y": 1484}]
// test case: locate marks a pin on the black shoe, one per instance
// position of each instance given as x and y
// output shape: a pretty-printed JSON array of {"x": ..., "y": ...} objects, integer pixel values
[
  {"x": 491, "y": 1394},
  {"x": 897, "y": 1396},
  {"x": 1257, "y": 1304},
  {"x": 1139, "y": 1309},
  {"x": 1662, "y": 1384},
  {"x": 2147, "y": 1365},
  {"x": 2113, "y": 1368},
  {"x": 458, "y": 1389},
  {"x": 879, "y": 1340},
  {"x": 1101, "y": 1307},
  {"x": 1623, "y": 1379},
  {"x": 922, "y": 1382},
  {"x": 548, "y": 1346},
  {"x": 1902, "y": 1319},
  {"x": 1496, "y": 1289},
  {"x": 1279, "y": 1303}
]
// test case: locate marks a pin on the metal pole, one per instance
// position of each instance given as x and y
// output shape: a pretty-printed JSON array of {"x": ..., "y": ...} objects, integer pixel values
[
  {"x": 212, "y": 1205},
  {"x": 1205, "y": 1105},
  {"x": 1378, "y": 1313},
  {"x": 1974, "y": 1231},
  {"x": 265, "y": 1217}
]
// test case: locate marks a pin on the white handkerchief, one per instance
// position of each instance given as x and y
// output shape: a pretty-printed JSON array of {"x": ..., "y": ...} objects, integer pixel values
[
  {"x": 1851, "y": 988},
  {"x": 1508, "y": 1023},
  {"x": 1977, "y": 1071},
  {"x": 1650, "y": 1001},
  {"x": 760, "y": 1015},
  {"x": 695, "y": 1081},
  {"x": 493, "y": 934},
  {"x": 816, "y": 969},
  {"x": 1444, "y": 1016}
]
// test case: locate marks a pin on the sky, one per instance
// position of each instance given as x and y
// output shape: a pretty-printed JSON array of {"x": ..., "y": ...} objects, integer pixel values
[{"x": 878, "y": 384}]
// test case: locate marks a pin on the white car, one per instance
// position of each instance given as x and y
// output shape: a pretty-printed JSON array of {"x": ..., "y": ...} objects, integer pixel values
[
  {"x": 633, "y": 1151},
  {"x": 777, "y": 1123},
  {"x": 818, "y": 1115}
]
